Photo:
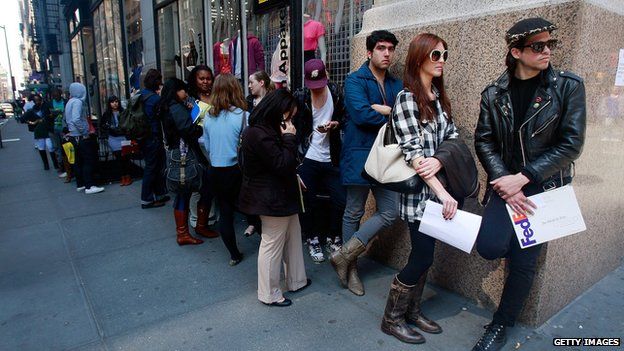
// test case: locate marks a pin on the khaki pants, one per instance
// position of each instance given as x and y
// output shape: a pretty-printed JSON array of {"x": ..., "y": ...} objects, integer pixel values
[{"x": 280, "y": 245}]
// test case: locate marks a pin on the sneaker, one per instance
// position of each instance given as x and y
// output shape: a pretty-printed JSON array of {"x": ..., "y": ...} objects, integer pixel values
[
  {"x": 332, "y": 246},
  {"x": 62, "y": 175},
  {"x": 94, "y": 190},
  {"x": 80, "y": 188},
  {"x": 316, "y": 252},
  {"x": 493, "y": 339}
]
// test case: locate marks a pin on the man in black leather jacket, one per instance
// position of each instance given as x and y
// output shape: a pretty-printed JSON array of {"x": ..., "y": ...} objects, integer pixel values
[{"x": 530, "y": 130}]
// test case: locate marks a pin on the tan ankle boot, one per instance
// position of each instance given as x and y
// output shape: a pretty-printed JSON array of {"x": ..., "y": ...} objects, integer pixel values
[
  {"x": 354, "y": 283},
  {"x": 341, "y": 259}
]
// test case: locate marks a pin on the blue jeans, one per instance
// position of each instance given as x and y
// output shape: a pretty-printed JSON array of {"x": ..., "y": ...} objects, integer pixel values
[
  {"x": 321, "y": 177},
  {"x": 153, "y": 185},
  {"x": 387, "y": 211}
]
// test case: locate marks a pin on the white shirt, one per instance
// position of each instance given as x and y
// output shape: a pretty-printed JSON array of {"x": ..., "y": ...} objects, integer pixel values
[{"x": 319, "y": 145}]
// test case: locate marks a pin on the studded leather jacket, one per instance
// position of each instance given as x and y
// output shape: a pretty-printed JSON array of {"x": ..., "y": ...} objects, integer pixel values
[{"x": 551, "y": 136}]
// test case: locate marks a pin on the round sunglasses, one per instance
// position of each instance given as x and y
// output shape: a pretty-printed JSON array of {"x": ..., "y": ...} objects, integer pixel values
[
  {"x": 437, "y": 55},
  {"x": 539, "y": 46}
]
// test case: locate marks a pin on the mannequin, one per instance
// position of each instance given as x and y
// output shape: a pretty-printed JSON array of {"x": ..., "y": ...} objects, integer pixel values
[
  {"x": 221, "y": 56},
  {"x": 313, "y": 38},
  {"x": 255, "y": 55}
]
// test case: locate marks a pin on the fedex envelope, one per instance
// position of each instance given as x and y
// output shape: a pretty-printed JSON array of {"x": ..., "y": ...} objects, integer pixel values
[{"x": 557, "y": 215}]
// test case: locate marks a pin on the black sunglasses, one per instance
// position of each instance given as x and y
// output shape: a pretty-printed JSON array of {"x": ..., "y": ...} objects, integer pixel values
[
  {"x": 539, "y": 46},
  {"x": 436, "y": 55}
]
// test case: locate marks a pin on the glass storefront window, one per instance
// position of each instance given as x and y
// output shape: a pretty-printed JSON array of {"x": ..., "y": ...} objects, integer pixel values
[
  {"x": 108, "y": 46},
  {"x": 192, "y": 38},
  {"x": 341, "y": 19},
  {"x": 134, "y": 35},
  {"x": 77, "y": 62},
  {"x": 273, "y": 30},
  {"x": 169, "y": 41},
  {"x": 225, "y": 25},
  {"x": 90, "y": 64}
]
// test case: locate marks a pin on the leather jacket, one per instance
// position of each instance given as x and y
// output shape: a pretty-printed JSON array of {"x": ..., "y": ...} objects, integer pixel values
[{"x": 551, "y": 137}]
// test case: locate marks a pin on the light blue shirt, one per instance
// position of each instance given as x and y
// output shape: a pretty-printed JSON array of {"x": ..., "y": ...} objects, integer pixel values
[{"x": 222, "y": 135}]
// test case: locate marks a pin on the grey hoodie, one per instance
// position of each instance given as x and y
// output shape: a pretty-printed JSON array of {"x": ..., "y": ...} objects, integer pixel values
[{"x": 76, "y": 112}]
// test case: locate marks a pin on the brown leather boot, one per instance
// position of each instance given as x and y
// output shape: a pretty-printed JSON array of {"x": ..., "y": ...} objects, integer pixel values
[
  {"x": 341, "y": 259},
  {"x": 201, "y": 227},
  {"x": 414, "y": 314},
  {"x": 354, "y": 283},
  {"x": 182, "y": 229},
  {"x": 393, "y": 322}
]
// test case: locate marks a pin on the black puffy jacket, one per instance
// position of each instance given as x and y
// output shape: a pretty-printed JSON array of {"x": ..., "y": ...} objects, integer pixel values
[{"x": 551, "y": 137}]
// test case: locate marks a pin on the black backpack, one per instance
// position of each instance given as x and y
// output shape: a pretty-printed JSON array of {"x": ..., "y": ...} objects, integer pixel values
[{"x": 133, "y": 121}]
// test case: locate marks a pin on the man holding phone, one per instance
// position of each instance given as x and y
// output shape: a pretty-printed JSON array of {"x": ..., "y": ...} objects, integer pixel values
[{"x": 321, "y": 111}]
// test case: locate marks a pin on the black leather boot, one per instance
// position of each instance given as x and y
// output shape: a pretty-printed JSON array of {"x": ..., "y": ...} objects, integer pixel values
[
  {"x": 44, "y": 158},
  {"x": 493, "y": 339},
  {"x": 414, "y": 313},
  {"x": 393, "y": 322}
]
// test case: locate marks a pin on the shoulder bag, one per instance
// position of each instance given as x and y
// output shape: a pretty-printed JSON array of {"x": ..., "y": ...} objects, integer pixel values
[{"x": 386, "y": 166}]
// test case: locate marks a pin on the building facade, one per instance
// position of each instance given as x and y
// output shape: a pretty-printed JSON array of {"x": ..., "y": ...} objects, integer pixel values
[{"x": 112, "y": 43}]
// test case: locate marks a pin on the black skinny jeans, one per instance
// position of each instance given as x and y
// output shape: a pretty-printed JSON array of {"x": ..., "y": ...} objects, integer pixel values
[
  {"x": 421, "y": 256},
  {"x": 319, "y": 176},
  {"x": 497, "y": 239},
  {"x": 225, "y": 183},
  {"x": 85, "y": 161}
]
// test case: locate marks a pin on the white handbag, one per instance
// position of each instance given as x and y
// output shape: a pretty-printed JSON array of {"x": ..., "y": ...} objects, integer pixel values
[{"x": 386, "y": 166}]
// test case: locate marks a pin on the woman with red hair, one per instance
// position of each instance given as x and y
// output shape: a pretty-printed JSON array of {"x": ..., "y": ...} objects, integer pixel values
[{"x": 421, "y": 119}]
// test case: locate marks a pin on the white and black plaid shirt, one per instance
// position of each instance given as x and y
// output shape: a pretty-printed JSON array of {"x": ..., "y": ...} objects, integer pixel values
[{"x": 418, "y": 139}]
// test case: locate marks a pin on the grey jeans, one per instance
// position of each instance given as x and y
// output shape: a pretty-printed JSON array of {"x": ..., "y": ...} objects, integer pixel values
[{"x": 387, "y": 211}]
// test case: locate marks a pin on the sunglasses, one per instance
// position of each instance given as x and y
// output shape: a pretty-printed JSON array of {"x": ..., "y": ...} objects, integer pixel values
[
  {"x": 437, "y": 55},
  {"x": 539, "y": 46}
]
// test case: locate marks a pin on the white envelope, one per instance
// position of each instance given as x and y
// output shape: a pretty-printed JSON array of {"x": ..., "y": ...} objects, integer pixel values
[
  {"x": 557, "y": 215},
  {"x": 460, "y": 232}
]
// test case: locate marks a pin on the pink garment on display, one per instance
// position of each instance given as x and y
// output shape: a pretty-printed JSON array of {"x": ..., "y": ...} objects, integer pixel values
[{"x": 312, "y": 31}]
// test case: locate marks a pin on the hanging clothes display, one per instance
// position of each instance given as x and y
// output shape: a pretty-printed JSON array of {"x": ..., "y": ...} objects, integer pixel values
[
  {"x": 255, "y": 55},
  {"x": 221, "y": 56},
  {"x": 313, "y": 37}
]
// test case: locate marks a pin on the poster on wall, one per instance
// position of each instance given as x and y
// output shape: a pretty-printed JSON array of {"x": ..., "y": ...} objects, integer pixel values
[
  {"x": 264, "y": 6},
  {"x": 619, "y": 75}
]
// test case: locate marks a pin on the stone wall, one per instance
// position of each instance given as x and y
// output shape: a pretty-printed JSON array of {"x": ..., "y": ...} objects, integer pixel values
[{"x": 591, "y": 35}]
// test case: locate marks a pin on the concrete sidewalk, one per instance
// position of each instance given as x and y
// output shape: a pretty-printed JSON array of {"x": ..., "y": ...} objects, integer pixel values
[{"x": 96, "y": 272}]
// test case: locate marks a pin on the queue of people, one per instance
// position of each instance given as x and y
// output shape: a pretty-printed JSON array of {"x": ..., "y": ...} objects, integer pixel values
[{"x": 277, "y": 157}]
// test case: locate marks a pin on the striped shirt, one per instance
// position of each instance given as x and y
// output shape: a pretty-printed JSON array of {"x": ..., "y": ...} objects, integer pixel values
[{"x": 418, "y": 139}]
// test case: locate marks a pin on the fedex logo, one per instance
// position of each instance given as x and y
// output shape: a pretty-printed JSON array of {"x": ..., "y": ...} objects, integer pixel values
[{"x": 522, "y": 221}]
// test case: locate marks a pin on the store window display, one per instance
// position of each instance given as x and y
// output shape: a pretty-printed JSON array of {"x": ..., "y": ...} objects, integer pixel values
[
  {"x": 255, "y": 55},
  {"x": 134, "y": 35},
  {"x": 109, "y": 52},
  {"x": 313, "y": 39},
  {"x": 221, "y": 55}
]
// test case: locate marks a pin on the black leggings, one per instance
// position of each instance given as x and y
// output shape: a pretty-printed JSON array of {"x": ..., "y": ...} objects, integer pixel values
[
  {"x": 225, "y": 183},
  {"x": 421, "y": 256},
  {"x": 497, "y": 239},
  {"x": 123, "y": 163}
]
